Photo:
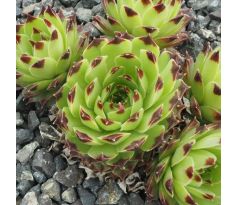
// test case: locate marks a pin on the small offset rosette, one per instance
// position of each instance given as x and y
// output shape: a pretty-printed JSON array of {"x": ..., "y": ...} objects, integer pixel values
[
  {"x": 164, "y": 20},
  {"x": 188, "y": 171},
  {"x": 46, "y": 47},
  {"x": 204, "y": 77},
  {"x": 117, "y": 100}
]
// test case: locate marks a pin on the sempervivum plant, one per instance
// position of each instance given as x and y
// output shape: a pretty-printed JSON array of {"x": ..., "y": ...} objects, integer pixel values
[
  {"x": 204, "y": 77},
  {"x": 116, "y": 102},
  {"x": 46, "y": 46},
  {"x": 162, "y": 19},
  {"x": 189, "y": 168}
]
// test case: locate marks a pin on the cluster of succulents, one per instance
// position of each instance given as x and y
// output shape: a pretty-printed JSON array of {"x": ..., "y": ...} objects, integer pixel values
[{"x": 120, "y": 97}]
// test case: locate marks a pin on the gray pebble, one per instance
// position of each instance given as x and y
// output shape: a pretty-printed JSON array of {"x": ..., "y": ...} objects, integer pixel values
[
  {"x": 18, "y": 147},
  {"x": 30, "y": 199},
  {"x": 47, "y": 2},
  {"x": 44, "y": 199},
  {"x": 149, "y": 202},
  {"x": 44, "y": 142},
  {"x": 135, "y": 199},
  {"x": 79, "y": 5},
  {"x": 18, "y": 12},
  {"x": 24, "y": 154},
  {"x": 33, "y": 120},
  {"x": 48, "y": 131},
  {"x": 215, "y": 27},
  {"x": 26, "y": 3},
  {"x": 110, "y": 193},
  {"x": 197, "y": 4},
  {"x": 39, "y": 177},
  {"x": 17, "y": 193},
  {"x": 90, "y": 3},
  {"x": 19, "y": 3},
  {"x": 19, "y": 119},
  {"x": 207, "y": 34},
  {"x": 123, "y": 200},
  {"x": 213, "y": 5},
  {"x": 196, "y": 43},
  {"x": 84, "y": 15},
  {"x": 23, "y": 136},
  {"x": 216, "y": 43},
  {"x": 69, "y": 3},
  {"x": 69, "y": 177},
  {"x": 24, "y": 186},
  {"x": 203, "y": 21},
  {"x": 68, "y": 11},
  {"x": 89, "y": 27},
  {"x": 69, "y": 195},
  {"x": 36, "y": 189},
  {"x": 78, "y": 202},
  {"x": 43, "y": 162},
  {"x": 86, "y": 197},
  {"x": 21, "y": 168},
  {"x": 93, "y": 184},
  {"x": 98, "y": 10},
  {"x": 57, "y": 5},
  {"x": 60, "y": 163},
  {"x": 37, "y": 9},
  {"x": 27, "y": 175},
  {"x": 216, "y": 15},
  {"x": 51, "y": 188}
]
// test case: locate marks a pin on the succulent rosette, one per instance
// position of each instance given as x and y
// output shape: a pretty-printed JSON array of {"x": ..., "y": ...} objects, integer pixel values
[
  {"x": 117, "y": 100},
  {"x": 164, "y": 20},
  {"x": 204, "y": 77},
  {"x": 189, "y": 168},
  {"x": 46, "y": 47}
]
